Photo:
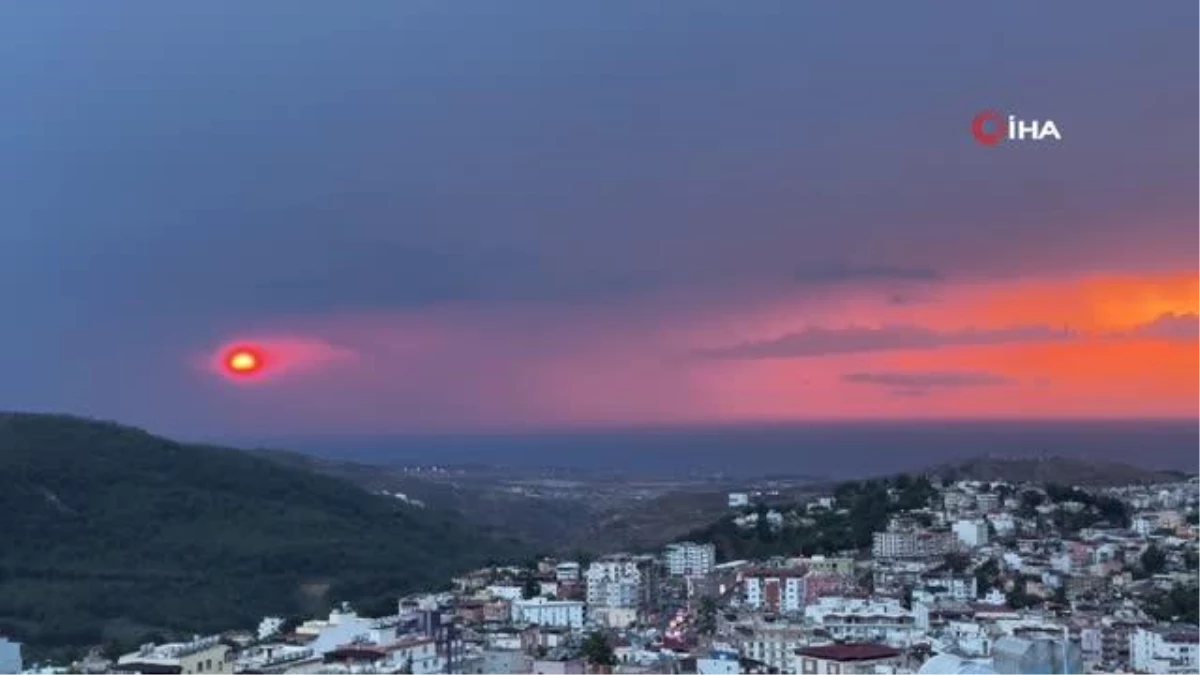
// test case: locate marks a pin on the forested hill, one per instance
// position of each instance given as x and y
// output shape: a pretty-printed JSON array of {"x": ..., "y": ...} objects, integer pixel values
[{"x": 111, "y": 533}]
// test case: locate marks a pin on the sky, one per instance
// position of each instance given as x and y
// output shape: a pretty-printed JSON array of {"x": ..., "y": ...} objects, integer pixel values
[{"x": 440, "y": 216}]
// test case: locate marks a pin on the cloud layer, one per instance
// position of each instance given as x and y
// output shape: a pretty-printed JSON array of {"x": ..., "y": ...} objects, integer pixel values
[
  {"x": 928, "y": 380},
  {"x": 818, "y": 341}
]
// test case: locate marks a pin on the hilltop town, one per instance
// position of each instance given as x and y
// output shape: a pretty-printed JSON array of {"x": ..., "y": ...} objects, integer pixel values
[{"x": 900, "y": 575}]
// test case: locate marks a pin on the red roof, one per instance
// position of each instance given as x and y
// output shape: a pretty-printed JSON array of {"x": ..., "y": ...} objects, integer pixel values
[
  {"x": 850, "y": 652},
  {"x": 355, "y": 653},
  {"x": 775, "y": 573}
]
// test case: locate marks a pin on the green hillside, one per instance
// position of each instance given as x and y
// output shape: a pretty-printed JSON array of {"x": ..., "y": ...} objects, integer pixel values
[{"x": 110, "y": 533}]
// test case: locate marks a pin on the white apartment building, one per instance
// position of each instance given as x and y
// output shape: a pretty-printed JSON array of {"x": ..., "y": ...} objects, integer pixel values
[
  {"x": 688, "y": 559},
  {"x": 1004, "y": 522},
  {"x": 543, "y": 612},
  {"x": 776, "y": 590},
  {"x": 202, "y": 655},
  {"x": 987, "y": 502},
  {"x": 971, "y": 533},
  {"x": 909, "y": 544},
  {"x": 738, "y": 500},
  {"x": 506, "y": 591},
  {"x": 1156, "y": 650},
  {"x": 953, "y": 500},
  {"x": 566, "y": 571},
  {"x": 863, "y": 619},
  {"x": 774, "y": 644},
  {"x": 620, "y": 582},
  {"x": 954, "y": 587}
]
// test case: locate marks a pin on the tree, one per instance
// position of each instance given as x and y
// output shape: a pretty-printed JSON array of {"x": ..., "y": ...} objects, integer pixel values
[
  {"x": 1181, "y": 603},
  {"x": 987, "y": 576},
  {"x": 956, "y": 562},
  {"x": 866, "y": 581},
  {"x": 531, "y": 587},
  {"x": 1018, "y": 597},
  {"x": 597, "y": 650},
  {"x": 706, "y": 616},
  {"x": 762, "y": 526},
  {"x": 1030, "y": 500},
  {"x": 1153, "y": 560},
  {"x": 907, "y": 599},
  {"x": 1060, "y": 595}
]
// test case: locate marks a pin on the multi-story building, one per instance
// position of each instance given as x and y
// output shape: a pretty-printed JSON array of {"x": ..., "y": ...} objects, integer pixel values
[
  {"x": 202, "y": 655},
  {"x": 622, "y": 582},
  {"x": 848, "y": 659},
  {"x": 774, "y": 644},
  {"x": 953, "y": 501},
  {"x": 820, "y": 564},
  {"x": 543, "y": 612},
  {"x": 501, "y": 661},
  {"x": 566, "y": 571},
  {"x": 862, "y": 620},
  {"x": 910, "y": 544},
  {"x": 1036, "y": 653},
  {"x": 955, "y": 587},
  {"x": 776, "y": 590},
  {"x": 971, "y": 533},
  {"x": 1003, "y": 523},
  {"x": 688, "y": 559},
  {"x": 987, "y": 502},
  {"x": 1165, "y": 650}
]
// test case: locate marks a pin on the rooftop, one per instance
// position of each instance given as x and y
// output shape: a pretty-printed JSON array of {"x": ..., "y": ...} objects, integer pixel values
[{"x": 850, "y": 652}]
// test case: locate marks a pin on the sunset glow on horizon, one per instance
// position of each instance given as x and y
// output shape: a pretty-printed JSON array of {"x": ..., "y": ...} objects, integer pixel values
[{"x": 1095, "y": 347}]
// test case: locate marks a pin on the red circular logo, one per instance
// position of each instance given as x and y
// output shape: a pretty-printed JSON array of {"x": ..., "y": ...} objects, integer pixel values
[{"x": 988, "y": 127}]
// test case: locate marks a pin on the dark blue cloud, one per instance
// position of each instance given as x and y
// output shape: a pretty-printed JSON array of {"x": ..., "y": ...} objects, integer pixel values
[{"x": 830, "y": 273}]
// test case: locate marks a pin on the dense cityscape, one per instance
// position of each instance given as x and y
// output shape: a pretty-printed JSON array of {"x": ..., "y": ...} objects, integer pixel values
[{"x": 957, "y": 576}]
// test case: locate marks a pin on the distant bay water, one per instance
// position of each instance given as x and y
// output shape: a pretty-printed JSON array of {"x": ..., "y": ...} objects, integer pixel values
[{"x": 842, "y": 450}]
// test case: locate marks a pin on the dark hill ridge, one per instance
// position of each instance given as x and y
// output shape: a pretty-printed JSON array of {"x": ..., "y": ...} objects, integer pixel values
[
  {"x": 1061, "y": 470},
  {"x": 110, "y": 532}
]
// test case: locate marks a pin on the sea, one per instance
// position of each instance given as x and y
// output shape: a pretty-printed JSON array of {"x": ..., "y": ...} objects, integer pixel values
[{"x": 830, "y": 450}]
